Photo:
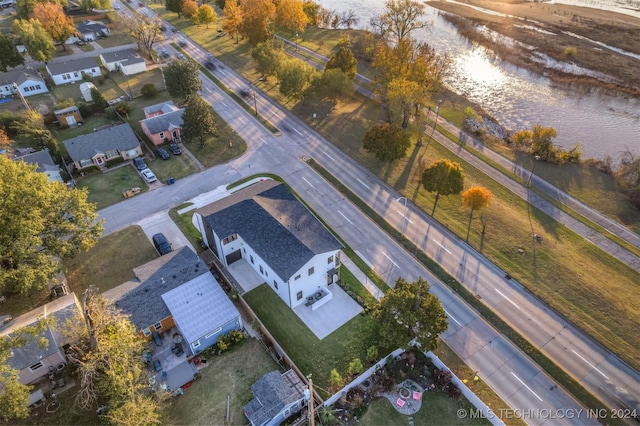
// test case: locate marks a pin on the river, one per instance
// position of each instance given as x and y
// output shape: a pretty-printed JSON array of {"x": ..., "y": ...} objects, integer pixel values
[{"x": 602, "y": 124}]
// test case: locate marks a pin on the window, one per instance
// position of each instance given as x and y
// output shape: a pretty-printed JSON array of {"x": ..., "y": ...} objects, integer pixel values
[
  {"x": 230, "y": 239},
  {"x": 330, "y": 260},
  {"x": 161, "y": 134},
  {"x": 38, "y": 87},
  {"x": 146, "y": 332},
  {"x": 75, "y": 74},
  {"x": 86, "y": 162},
  {"x": 266, "y": 273},
  {"x": 251, "y": 259},
  {"x": 275, "y": 284},
  {"x": 213, "y": 333},
  {"x": 195, "y": 344},
  {"x": 297, "y": 277},
  {"x": 26, "y": 89},
  {"x": 35, "y": 366},
  {"x": 261, "y": 270},
  {"x": 157, "y": 326},
  {"x": 93, "y": 70},
  {"x": 311, "y": 271},
  {"x": 299, "y": 295},
  {"x": 111, "y": 154}
]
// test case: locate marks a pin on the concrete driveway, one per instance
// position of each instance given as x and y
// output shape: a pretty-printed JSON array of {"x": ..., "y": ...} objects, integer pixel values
[{"x": 161, "y": 222}]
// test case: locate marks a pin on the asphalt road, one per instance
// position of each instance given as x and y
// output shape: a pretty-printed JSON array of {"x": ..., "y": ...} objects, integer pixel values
[{"x": 514, "y": 377}]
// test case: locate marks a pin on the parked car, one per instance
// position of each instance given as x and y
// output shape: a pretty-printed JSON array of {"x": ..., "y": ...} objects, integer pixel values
[
  {"x": 80, "y": 43},
  {"x": 180, "y": 56},
  {"x": 161, "y": 244},
  {"x": 148, "y": 176},
  {"x": 182, "y": 43},
  {"x": 175, "y": 149},
  {"x": 116, "y": 7},
  {"x": 139, "y": 163},
  {"x": 162, "y": 153},
  {"x": 140, "y": 4},
  {"x": 164, "y": 53}
]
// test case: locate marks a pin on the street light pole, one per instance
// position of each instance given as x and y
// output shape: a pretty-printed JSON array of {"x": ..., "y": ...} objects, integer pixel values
[{"x": 537, "y": 158}]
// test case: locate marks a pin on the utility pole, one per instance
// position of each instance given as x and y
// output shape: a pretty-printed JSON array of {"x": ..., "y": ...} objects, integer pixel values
[{"x": 312, "y": 415}]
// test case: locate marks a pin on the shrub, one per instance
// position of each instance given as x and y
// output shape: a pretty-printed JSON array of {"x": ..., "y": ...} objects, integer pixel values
[
  {"x": 372, "y": 354},
  {"x": 570, "y": 51},
  {"x": 85, "y": 109},
  {"x": 65, "y": 103},
  {"x": 336, "y": 380},
  {"x": 355, "y": 366},
  {"x": 149, "y": 90},
  {"x": 123, "y": 108},
  {"x": 87, "y": 77},
  {"x": 111, "y": 113}
]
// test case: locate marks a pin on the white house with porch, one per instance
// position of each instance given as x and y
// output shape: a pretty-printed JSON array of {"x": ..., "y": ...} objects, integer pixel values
[{"x": 265, "y": 224}]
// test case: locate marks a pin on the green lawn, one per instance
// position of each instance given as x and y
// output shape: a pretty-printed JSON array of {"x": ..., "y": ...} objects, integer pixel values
[
  {"x": 108, "y": 88},
  {"x": 115, "y": 40},
  {"x": 89, "y": 124},
  {"x": 177, "y": 166},
  {"x": 218, "y": 150},
  {"x": 136, "y": 81},
  {"x": 111, "y": 261},
  {"x": 186, "y": 225},
  {"x": 231, "y": 374},
  {"x": 106, "y": 189}
]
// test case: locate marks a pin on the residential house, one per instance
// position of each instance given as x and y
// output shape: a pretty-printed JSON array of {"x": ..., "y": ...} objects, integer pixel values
[
  {"x": 128, "y": 61},
  {"x": 266, "y": 225},
  {"x": 91, "y": 30},
  {"x": 95, "y": 149},
  {"x": 85, "y": 91},
  {"x": 68, "y": 116},
  {"x": 33, "y": 360},
  {"x": 45, "y": 164},
  {"x": 178, "y": 290},
  {"x": 163, "y": 121},
  {"x": 72, "y": 70},
  {"x": 28, "y": 83},
  {"x": 275, "y": 398}
]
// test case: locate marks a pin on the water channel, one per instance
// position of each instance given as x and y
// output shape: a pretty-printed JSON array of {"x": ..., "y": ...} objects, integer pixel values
[{"x": 602, "y": 124}]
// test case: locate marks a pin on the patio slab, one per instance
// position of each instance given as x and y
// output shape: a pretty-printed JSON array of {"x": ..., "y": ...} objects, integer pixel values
[{"x": 245, "y": 275}]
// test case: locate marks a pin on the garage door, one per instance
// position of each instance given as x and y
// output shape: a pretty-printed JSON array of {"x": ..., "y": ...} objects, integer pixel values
[{"x": 232, "y": 257}]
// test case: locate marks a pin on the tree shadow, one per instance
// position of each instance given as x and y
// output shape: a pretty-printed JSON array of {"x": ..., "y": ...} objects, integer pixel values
[
  {"x": 549, "y": 219},
  {"x": 401, "y": 182},
  {"x": 533, "y": 242}
]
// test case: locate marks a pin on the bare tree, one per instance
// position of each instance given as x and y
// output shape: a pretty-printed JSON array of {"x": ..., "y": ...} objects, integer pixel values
[
  {"x": 349, "y": 19},
  {"x": 401, "y": 17}
]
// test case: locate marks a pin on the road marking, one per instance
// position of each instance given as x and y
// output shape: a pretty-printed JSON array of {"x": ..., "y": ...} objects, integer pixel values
[
  {"x": 591, "y": 365},
  {"x": 296, "y": 130},
  {"x": 385, "y": 255},
  {"x": 365, "y": 185},
  {"x": 404, "y": 215},
  {"x": 222, "y": 102},
  {"x": 508, "y": 300},
  {"x": 263, "y": 141},
  {"x": 443, "y": 247},
  {"x": 222, "y": 72},
  {"x": 243, "y": 121},
  {"x": 305, "y": 179},
  {"x": 451, "y": 316},
  {"x": 345, "y": 217},
  {"x": 523, "y": 384},
  {"x": 207, "y": 89},
  {"x": 333, "y": 159}
]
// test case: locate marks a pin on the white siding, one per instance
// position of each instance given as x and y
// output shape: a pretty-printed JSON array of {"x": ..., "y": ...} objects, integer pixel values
[
  {"x": 309, "y": 284},
  {"x": 134, "y": 68},
  {"x": 73, "y": 76}
]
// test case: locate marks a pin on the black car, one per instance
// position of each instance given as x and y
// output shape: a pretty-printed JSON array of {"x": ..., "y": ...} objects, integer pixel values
[
  {"x": 182, "y": 43},
  {"x": 210, "y": 65},
  {"x": 139, "y": 163},
  {"x": 175, "y": 149},
  {"x": 161, "y": 244},
  {"x": 162, "y": 153}
]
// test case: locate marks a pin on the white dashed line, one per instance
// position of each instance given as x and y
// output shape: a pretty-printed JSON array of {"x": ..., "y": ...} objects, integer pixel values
[
  {"x": 342, "y": 214},
  {"x": 523, "y": 384},
  {"x": 591, "y": 365},
  {"x": 508, "y": 300}
]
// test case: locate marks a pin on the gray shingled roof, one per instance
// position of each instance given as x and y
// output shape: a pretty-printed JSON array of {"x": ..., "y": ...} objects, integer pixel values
[
  {"x": 42, "y": 159},
  {"x": 164, "y": 122},
  {"x": 71, "y": 66},
  {"x": 143, "y": 301},
  {"x": 18, "y": 76},
  {"x": 277, "y": 226},
  {"x": 120, "y": 137},
  {"x": 199, "y": 306},
  {"x": 271, "y": 394},
  {"x": 60, "y": 309},
  {"x": 165, "y": 107},
  {"x": 126, "y": 57},
  {"x": 90, "y": 27}
]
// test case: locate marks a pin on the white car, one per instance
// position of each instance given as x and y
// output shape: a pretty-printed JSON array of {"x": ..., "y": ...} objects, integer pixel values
[
  {"x": 116, "y": 7},
  {"x": 148, "y": 176}
]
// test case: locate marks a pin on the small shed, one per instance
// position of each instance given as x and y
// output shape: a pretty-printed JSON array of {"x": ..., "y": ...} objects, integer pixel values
[
  {"x": 85, "y": 89},
  {"x": 68, "y": 116}
]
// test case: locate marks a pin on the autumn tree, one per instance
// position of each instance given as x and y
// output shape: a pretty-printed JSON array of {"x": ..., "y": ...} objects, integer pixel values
[
  {"x": 24, "y": 8},
  {"x": 206, "y": 15},
  {"x": 409, "y": 314},
  {"x": 232, "y": 19},
  {"x": 295, "y": 78},
  {"x": 628, "y": 176},
  {"x": 145, "y": 31},
  {"x": 95, "y": 4},
  {"x": 401, "y": 17},
  {"x": 9, "y": 55},
  {"x": 386, "y": 141},
  {"x": 198, "y": 122},
  {"x": 475, "y": 198},
  {"x": 35, "y": 39},
  {"x": 5, "y": 142},
  {"x": 42, "y": 222},
  {"x": 268, "y": 56},
  {"x": 55, "y": 22},
  {"x": 189, "y": 8},
  {"x": 444, "y": 177},
  {"x": 403, "y": 96},
  {"x": 182, "y": 78},
  {"x": 290, "y": 16},
  {"x": 257, "y": 20},
  {"x": 539, "y": 142},
  {"x": 311, "y": 9},
  {"x": 333, "y": 83},
  {"x": 174, "y": 6},
  {"x": 344, "y": 60}
]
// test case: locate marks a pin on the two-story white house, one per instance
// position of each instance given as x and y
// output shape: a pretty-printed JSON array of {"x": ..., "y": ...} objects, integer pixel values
[
  {"x": 72, "y": 71},
  {"x": 266, "y": 225}
]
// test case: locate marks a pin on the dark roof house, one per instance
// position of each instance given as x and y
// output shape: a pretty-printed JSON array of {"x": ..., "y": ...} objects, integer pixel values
[
  {"x": 45, "y": 164},
  {"x": 98, "y": 147},
  {"x": 275, "y": 397}
]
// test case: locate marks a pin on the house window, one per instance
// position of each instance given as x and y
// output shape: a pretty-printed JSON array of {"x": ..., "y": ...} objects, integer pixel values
[
  {"x": 330, "y": 260},
  {"x": 38, "y": 87},
  {"x": 146, "y": 331},
  {"x": 251, "y": 259},
  {"x": 310, "y": 271},
  {"x": 275, "y": 284},
  {"x": 161, "y": 134},
  {"x": 93, "y": 70},
  {"x": 26, "y": 89},
  {"x": 213, "y": 333},
  {"x": 86, "y": 162},
  {"x": 35, "y": 366},
  {"x": 111, "y": 154},
  {"x": 297, "y": 277},
  {"x": 299, "y": 295},
  {"x": 195, "y": 344},
  {"x": 266, "y": 273},
  {"x": 261, "y": 270},
  {"x": 75, "y": 74},
  {"x": 244, "y": 250},
  {"x": 287, "y": 412},
  {"x": 157, "y": 326},
  {"x": 230, "y": 239}
]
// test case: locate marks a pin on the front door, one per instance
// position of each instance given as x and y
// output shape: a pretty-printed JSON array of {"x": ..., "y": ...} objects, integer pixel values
[
  {"x": 71, "y": 120},
  {"x": 99, "y": 161}
]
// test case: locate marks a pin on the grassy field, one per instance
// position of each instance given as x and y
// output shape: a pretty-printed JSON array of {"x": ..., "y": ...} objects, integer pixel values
[
  {"x": 114, "y": 40},
  {"x": 108, "y": 88},
  {"x": 205, "y": 402},
  {"x": 89, "y": 124},
  {"x": 106, "y": 189},
  {"x": 111, "y": 261},
  {"x": 136, "y": 81},
  {"x": 218, "y": 150}
]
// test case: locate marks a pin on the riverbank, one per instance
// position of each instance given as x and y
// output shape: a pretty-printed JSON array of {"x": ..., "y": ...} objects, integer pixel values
[{"x": 585, "y": 48}]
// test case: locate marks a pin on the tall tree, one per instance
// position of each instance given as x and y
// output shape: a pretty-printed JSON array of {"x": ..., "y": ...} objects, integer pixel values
[
  {"x": 189, "y": 8},
  {"x": 174, "y": 6},
  {"x": 145, "y": 31},
  {"x": 24, "y": 8},
  {"x": 232, "y": 19},
  {"x": 348, "y": 19},
  {"x": 295, "y": 77},
  {"x": 402, "y": 17},
  {"x": 475, "y": 198},
  {"x": 257, "y": 20},
  {"x": 386, "y": 141},
  {"x": 333, "y": 83},
  {"x": 182, "y": 78},
  {"x": 99, "y": 102},
  {"x": 198, "y": 122},
  {"x": 409, "y": 314},
  {"x": 5, "y": 142},
  {"x": 35, "y": 39},
  {"x": 403, "y": 96},
  {"x": 55, "y": 22},
  {"x": 206, "y": 15},
  {"x": 311, "y": 9},
  {"x": 443, "y": 177},
  {"x": 538, "y": 141},
  {"x": 42, "y": 222},
  {"x": 268, "y": 56},
  {"x": 345, "y": 61},
  {"x": 9, "y": 55},
  {"x": 290, "y": 16},
  {"x": 95, "y": 4}
]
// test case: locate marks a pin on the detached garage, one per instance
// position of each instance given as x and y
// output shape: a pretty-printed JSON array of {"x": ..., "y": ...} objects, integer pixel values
[{"x": 127, "y": 61}]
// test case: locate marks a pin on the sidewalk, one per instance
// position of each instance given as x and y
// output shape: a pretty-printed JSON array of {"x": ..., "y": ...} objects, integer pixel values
[{"x": 373, "y": 289}]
